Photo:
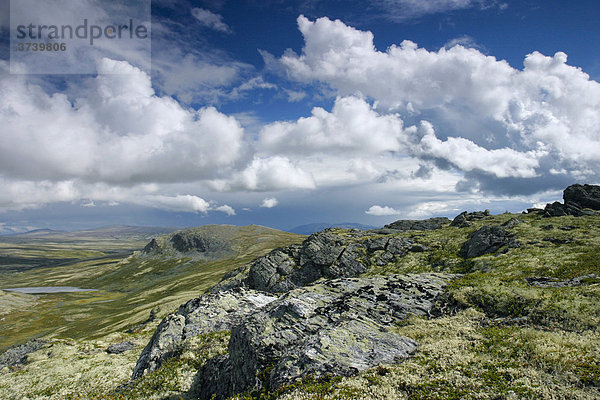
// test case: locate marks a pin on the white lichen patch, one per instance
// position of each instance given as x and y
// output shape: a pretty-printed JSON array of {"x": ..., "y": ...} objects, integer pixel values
[{"x": 70, "y": 369}]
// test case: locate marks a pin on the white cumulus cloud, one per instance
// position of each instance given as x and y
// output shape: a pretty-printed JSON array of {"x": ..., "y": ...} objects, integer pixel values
[
  {"x": 119, "y": 132},
  {"x": 381, "y": 211},
  {"x": 491, "y": 119},
  {"x": 225, "y": 209},
  {"x": 269, "y": 202},
  {"x": 351, "y": 127},
  {"x": 268, "y": 173}
]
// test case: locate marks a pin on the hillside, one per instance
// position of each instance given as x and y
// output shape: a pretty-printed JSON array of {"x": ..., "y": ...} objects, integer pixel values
[
  {"x": 127, "y": 289},
  {"x": 479, "y": 307}
]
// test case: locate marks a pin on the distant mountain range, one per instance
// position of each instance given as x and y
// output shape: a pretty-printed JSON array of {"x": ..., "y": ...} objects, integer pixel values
[
  {"x": 309, "y": 229},
  {"x": 112, "y": 231}
]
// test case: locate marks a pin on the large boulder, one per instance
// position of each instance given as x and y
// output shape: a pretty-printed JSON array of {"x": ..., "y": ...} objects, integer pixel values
[
  {"x": 322, "y": 255},
  {"x": 579, "y": 200},
  {"x": 584, "y": 196},
  {"x": 337, "y": 327},
  {"x": 464, "y": 219},
  {"x": 205, "y": 314},
  {"x": 487, "y": 239}
]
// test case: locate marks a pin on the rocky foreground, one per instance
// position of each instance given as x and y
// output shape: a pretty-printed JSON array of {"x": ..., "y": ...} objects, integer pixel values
[
  {"x": 308, "y": 311},
  {"x": 479, "y": 307}
]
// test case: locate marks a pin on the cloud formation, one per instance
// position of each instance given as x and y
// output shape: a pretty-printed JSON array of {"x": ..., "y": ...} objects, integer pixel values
[
  {"x": 502, "y": 122},
  {"x": 210, "y": 20},
  {"x": 351, "y": 127},
  {"x": 401, "y": 10},
  {"x": 269, "y": 202},
  {"x": 406, "y": 120},
  {"x": 117, "y": 133},
  {"x": 382, "y": 211}
]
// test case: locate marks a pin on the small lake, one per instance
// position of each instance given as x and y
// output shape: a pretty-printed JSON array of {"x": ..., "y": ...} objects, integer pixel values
[{"x": 48, "y": 289}]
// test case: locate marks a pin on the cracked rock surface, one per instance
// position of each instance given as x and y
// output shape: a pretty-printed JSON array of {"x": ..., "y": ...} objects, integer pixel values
[
  {"x": 323, "y": 255},
  {"x": 338, "y": 327},
  {"x": 205, "y": 314}
]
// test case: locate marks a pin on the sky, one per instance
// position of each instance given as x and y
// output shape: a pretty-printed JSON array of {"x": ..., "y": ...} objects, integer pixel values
[{"x": 283, "y": 113}]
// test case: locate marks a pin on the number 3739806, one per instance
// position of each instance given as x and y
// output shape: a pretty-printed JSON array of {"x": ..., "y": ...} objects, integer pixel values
[{"x": 35, "y": 46}]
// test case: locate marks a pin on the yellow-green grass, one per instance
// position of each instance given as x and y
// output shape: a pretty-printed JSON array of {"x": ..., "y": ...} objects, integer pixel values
[
  {"x": 507, "y": 340},
  {"x": 128, "y": 289}
]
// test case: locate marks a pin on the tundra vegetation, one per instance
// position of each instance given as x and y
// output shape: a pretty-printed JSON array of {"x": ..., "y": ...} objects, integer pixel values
[{"x": 520, "y": 316}]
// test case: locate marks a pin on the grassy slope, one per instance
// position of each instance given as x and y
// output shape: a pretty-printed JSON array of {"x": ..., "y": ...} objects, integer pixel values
[
  {"x": 127, "y": 288},
  {"x": 485, "y": 351}
]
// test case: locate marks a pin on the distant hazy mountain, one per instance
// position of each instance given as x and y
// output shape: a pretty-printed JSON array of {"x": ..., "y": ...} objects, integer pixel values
[
  {"x": 39, "y": 232},
  {"x": 309, "y": 229},
  {"x": 113, "y": 231}
]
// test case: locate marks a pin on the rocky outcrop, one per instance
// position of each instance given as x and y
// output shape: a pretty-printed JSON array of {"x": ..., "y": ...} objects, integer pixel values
[
  {"x": 186, "y": 241},
  {"x": 323, "y": 255},
  {"x": 152, "y": 247},
  {"x": 203, "y": 243},
  {"x": 418, "y": 225},
  {"x": 579, "y": 200},
  {"x": 511, "y": 223},
  {"x": 18, "y": 354},
  {"x": 205, "y": 314},
  {"x": 337, "y": 327},
  {"x": 119, "y": 348},
  {"x": 487, "y": 239},
  {"x": 464, "y": 219},
  {"x": 583, "y": 196},
  {"x": 554, "y": 282}
]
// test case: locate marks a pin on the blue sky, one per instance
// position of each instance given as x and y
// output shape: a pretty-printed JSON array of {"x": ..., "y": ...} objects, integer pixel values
[{"x": 284, "y": 113}]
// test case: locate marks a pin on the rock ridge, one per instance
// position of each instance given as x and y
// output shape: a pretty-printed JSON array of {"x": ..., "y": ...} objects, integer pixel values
[
  {"x": 579, "y": 200},
  {"x": 323, "y": 255}
]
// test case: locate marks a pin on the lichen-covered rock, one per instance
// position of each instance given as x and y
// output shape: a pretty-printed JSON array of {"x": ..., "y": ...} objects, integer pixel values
[
  {"x": 461, "y": 221},
  {"x": 511, "y": 223},
  {"x": 18, "y": 354},
  {"x": 555, "y": 209},
  {"x": 347, "y": 264},
  {"x": 487, "y": 239},
  {"x": 164, "y": 344},
  {"x": 336, "y": 327},
  {"x": 555, "y": 282},
  {"x": 323, "y": 254},
  {"x": 205, "y": 314},
  {"x": 119, "y": 348}
]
